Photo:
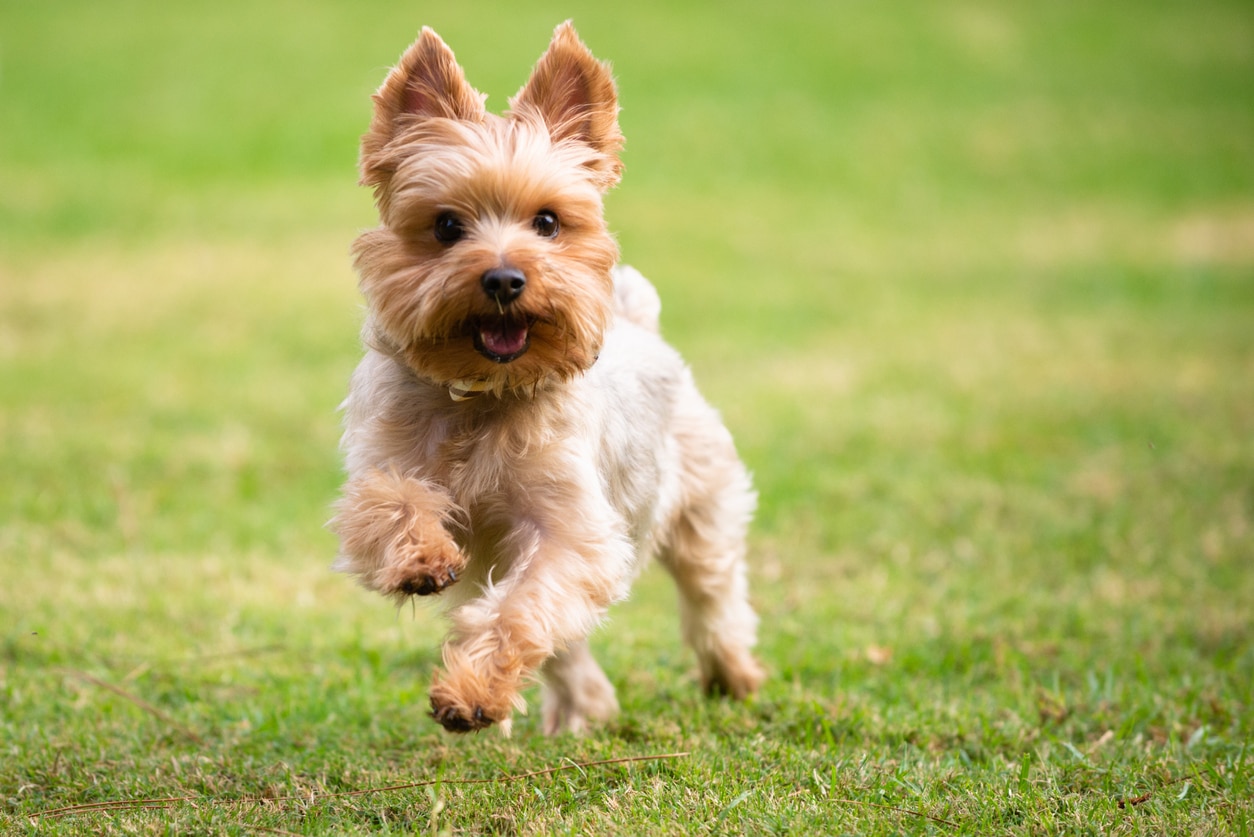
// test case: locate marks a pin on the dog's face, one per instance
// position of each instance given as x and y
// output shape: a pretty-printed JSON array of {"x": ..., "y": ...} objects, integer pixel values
[{"x": 492, "y": 262}]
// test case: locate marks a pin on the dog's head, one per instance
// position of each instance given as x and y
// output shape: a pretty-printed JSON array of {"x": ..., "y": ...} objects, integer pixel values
[{"x": 492, "y": 261}]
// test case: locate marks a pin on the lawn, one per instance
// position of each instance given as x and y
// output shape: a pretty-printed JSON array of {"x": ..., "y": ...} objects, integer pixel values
[{"x": 972, "y": 283}]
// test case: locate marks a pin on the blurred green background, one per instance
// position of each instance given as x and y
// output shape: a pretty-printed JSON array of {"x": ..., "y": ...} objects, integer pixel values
[
  {"x": 972, "y": 282},
  {"x": 972, "y": 183}
]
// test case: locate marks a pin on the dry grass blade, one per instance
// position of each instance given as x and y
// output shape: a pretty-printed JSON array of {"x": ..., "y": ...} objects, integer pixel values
[
  {"x": 907, "y": 811},
  {"x": 166, "y": 802},
  {"x": 164, "y": 717},
  {"x": 111, "y": 805},
  {"x": 508, "y": 777}
]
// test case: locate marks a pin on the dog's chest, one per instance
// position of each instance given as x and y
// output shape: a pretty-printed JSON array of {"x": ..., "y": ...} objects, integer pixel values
[
  {"x": 548, "y": 460},
  {"x": 499, "y": 456}
]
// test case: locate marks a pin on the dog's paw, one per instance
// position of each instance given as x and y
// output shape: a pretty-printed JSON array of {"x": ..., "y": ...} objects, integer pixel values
[
  {"x": 735, "y": 677},
  {"x": 465, "y": 701},
  {"x": 420, "y": 566},
  {"x": 576, "y": 713},
  {"x": 394, "y": 536},
  {"x": 456, "y": 719},
  {"x": 423, "y": 584}
]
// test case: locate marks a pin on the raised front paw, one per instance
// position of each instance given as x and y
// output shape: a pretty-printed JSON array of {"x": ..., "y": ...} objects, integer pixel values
[
  {"x": 420, "y": 565},
  {"x": 425, "y": 585},
  {"x": 393, "y": 535}
]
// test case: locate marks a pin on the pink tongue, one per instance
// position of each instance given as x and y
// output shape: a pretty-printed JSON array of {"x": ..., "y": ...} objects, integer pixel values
[{"x": 504, "y": 339}]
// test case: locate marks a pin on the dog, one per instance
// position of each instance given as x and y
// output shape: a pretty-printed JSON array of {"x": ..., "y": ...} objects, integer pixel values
[{"x": 518, "y": 438}]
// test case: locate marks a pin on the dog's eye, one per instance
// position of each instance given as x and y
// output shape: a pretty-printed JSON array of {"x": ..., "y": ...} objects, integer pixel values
[
  {"x": 545, "y": 224},
  {"x": 448, "y": 228}
]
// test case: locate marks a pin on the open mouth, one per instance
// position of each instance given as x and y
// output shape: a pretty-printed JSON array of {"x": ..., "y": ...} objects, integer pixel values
[{"x": 502, "y": 340}]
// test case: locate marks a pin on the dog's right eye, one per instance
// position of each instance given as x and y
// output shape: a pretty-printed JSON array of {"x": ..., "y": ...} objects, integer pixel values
[{"x": 448, "y": 228}]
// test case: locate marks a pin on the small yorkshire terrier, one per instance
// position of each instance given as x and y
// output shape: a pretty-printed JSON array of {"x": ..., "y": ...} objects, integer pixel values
[{"x": 517, "y": 427}]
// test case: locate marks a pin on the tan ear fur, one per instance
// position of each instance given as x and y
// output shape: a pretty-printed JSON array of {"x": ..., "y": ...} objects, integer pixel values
[
  {"x": 426, "y": 82},
  {"x": 573, "y": 94}
]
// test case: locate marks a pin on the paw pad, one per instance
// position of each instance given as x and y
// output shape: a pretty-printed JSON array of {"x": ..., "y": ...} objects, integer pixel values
[
  {"x": 425, "y": 585},
  {"x": 453, "y": 720}
]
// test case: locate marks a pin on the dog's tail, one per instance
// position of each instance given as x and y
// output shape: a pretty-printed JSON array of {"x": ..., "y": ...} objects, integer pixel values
[{"x": 635, "y": 299}]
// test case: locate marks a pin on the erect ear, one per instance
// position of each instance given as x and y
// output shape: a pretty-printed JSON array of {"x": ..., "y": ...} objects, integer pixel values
[
  {"x": 426, "y": 82},
  {"x": 573, "y": 94}
]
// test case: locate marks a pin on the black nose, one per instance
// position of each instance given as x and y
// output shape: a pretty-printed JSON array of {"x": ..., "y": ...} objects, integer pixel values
[{"x": 504, "y": 284}]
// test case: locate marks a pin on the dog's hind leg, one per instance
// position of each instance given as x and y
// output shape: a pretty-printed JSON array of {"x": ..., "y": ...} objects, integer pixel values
[
  {"x": 576, "y": 691},
  {"x": 703, "y": 548}
]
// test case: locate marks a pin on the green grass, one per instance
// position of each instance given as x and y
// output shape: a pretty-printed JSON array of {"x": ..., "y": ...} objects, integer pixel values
[{"x": 972, "y": 283}]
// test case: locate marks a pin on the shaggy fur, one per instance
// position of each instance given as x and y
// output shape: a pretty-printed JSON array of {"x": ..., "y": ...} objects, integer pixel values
[{"x": 519, "y": 439}]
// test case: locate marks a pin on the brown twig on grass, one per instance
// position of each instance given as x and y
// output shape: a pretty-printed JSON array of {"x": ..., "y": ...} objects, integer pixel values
[
  {"x": 138, "y": 701},
  {"x": 166, "y": 802},
  {"x": 1148, "y": 795},
  {"x": 507, "y": 777},
  {"x": 111, "y": 805}
]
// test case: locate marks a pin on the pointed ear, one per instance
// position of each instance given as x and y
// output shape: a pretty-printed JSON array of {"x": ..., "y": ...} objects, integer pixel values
[
  {"x": 572, "y": 93},
  {"x": 426, "y": 82}
]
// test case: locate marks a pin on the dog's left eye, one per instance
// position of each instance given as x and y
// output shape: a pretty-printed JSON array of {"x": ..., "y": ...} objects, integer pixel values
[
  {"x": 545, "y": 224},
  {"x": 448, "y": 228}
]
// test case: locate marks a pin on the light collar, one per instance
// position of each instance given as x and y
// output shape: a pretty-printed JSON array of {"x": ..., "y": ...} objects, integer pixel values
[{"x": 466, "y": 389}]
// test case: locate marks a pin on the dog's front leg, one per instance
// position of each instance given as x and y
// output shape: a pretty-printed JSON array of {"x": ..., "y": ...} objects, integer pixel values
[
  {"x": 394, "y": 536},
  {"x": 554, "y": 595}
]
